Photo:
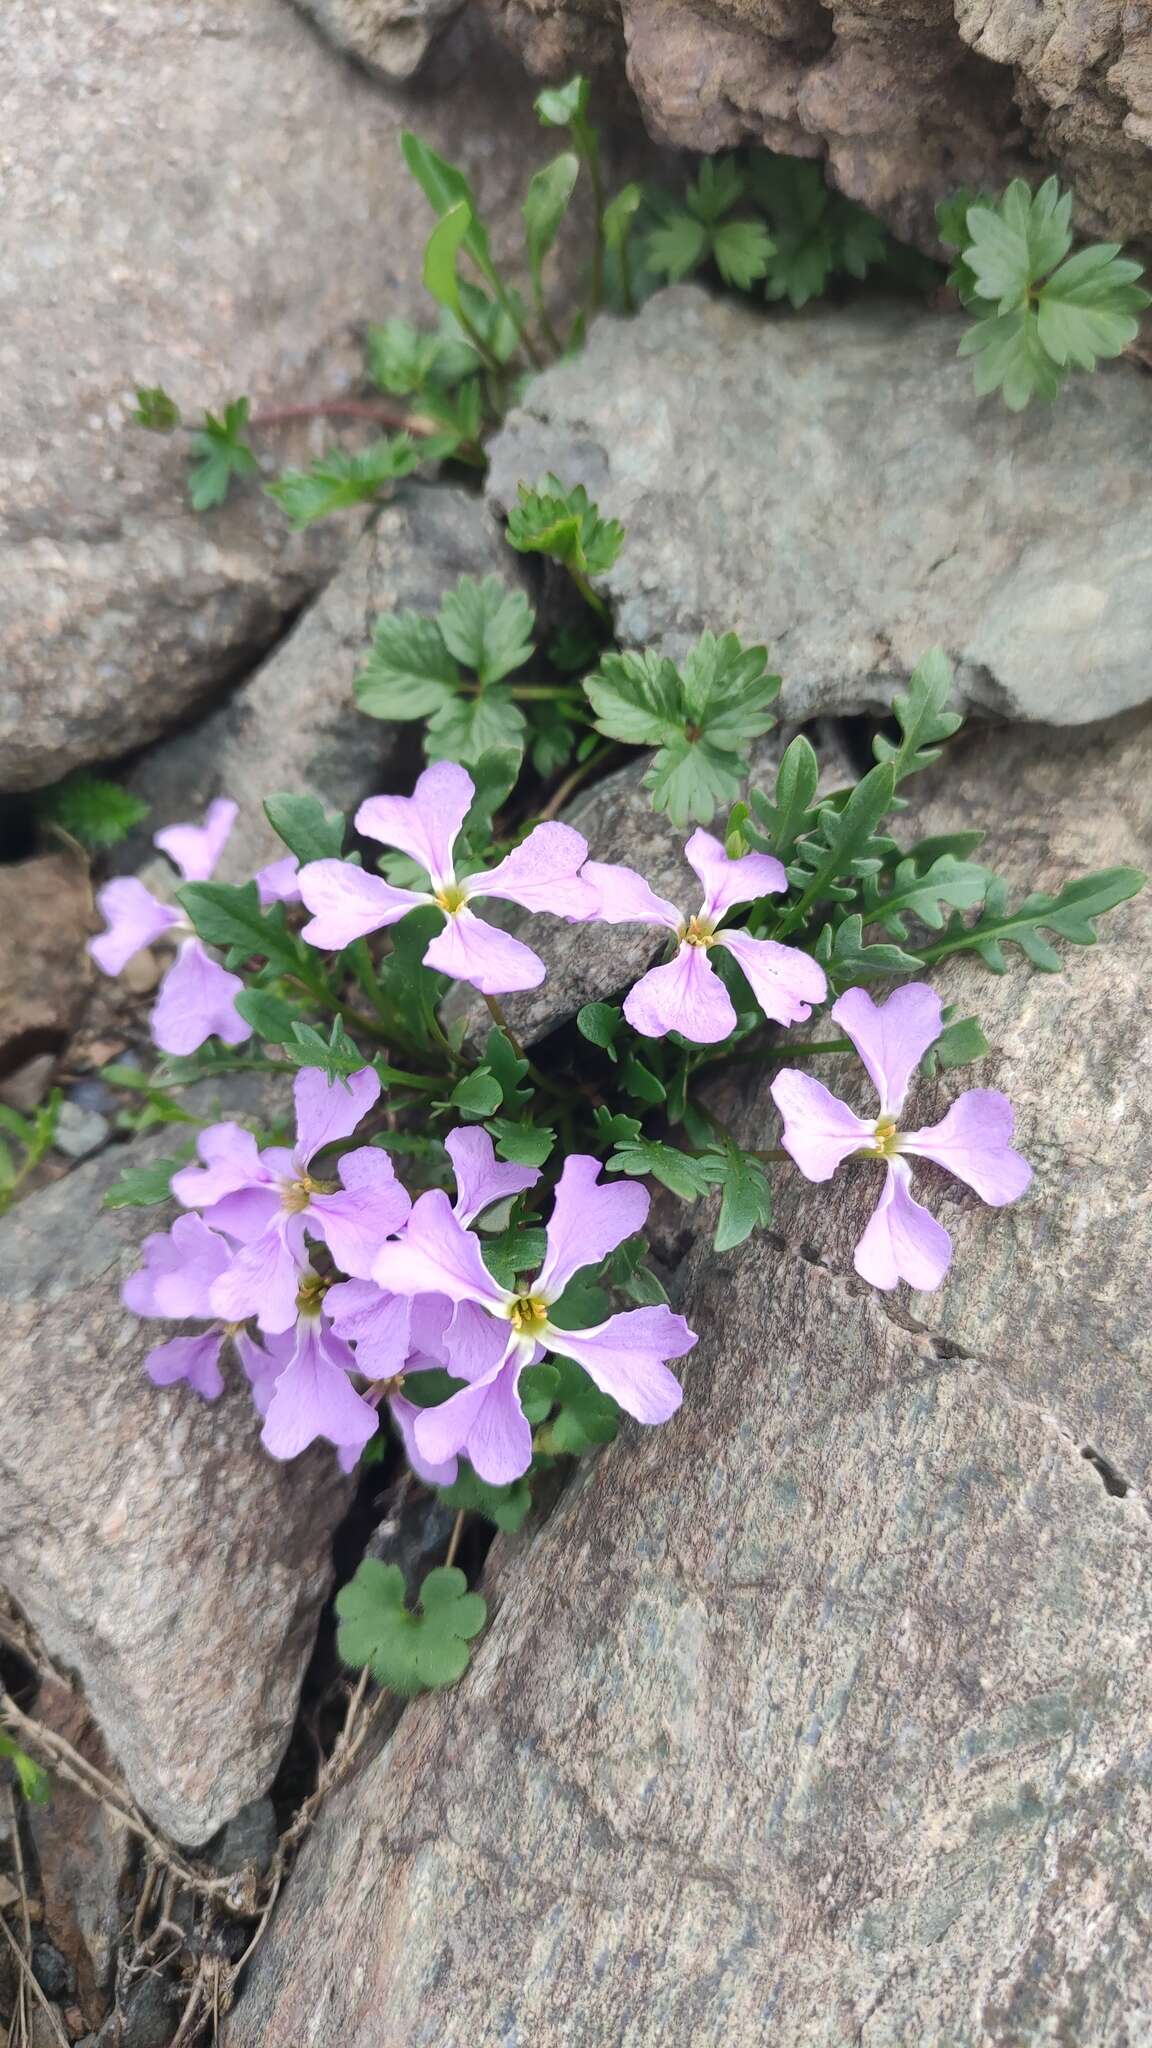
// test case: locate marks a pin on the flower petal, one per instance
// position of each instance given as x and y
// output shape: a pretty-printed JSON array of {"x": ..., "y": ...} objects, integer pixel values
[
  {"x": 231, "y": 1160},
  {"x": 179, "y": 1268},
  {"x": 589, "y": 1219},
  {"x": 314, "y": 1397},
  {"x": 624, "y": 897},
  {"x": 819, "y": 1129},
  {"x": 195, "y": 849},
  {"x": 197, "y": 1000},
  {"x": 372, "y": 1207},
  {"x": 481, "y": 1178},
  {"x": 347, "y": 904},
  {"x": 973, "y": 1141},
  {"x": 784, "y": 981},
  {"x": 263, "y": 1279},
  {"x": 134, "y": 919},
  {"x": 485, "y": 1422},
  {"x": 425, "y": 825},
  {"x": 687, "y": 995},
  {"x": 902, "y": 1241},
  {"x": 195, "y": 1359},
  {"x": 262, "y": 1366},
  {"x": 405, "y": 1414},
  {"x": 543, "y": 873},
  {"x": 891, "y": 1037},
  {"x": 626, "y": 1358},
  {"x": 327, "y": 1110},
  {"x": 279, "y": 882},
  {"x": 438, "y": 1256},
  {"x": 492, "y": 960},
  {"x": 728, "y": 882}
]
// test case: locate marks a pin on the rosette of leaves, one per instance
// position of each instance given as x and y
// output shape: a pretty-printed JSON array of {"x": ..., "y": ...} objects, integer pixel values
[
  {"x": 1040, "y": 313},
  {"x": 566, "y": 526},
  {"x": 703, "y": 228},
  {"x": 451, "y": 670},
  {"x": 817, "y": 234},
  {"x": 700, "y": 719}
]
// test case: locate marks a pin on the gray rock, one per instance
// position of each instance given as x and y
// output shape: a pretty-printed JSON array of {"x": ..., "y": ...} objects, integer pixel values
[
  {"x": 45, "y": 973},
  {"x": 829, "y": 484},
  {"x": 392, "y": 37},
  {"x": 207, "y": 198},
  {"x": 295, "y": 724},
  {"x": 820, "y": 1714},
  {"x": 247, "y": 1842},
  {"x": 85, "y": 1858},
  {"x": 150, "y": 1539},
  {"x": 80, "y": 1132}
]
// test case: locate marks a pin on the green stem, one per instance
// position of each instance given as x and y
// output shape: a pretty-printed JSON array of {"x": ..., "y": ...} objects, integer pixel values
[
  {"x": 590, "y": 597},
  {"x": 565, "y": 789},
  {"x": 588, "y": 149},
  {"x": 627, "y": 290},
  {"x": 807, "y": 1049},
  {"x": 398, "y": 1077},
  {"x": 496, "y": 1012}
]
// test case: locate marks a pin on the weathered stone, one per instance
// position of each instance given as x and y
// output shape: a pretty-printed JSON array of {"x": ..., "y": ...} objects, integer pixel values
[
  {"x": 80, "y": 1132},
  {"x": 906, "y": 103},
  {"x": 247, "y": 1843},
  {"x": 392, "y": 37},
  {"x": 830, "y": 484},
  {"x": 45, "y": 919},
  {"x": 150, "y": 1539},
  {"x": 294, "y": 724},
  {"x": 819, "y": 1714},
  {"x": 208, "y": 198},
  {"x": 84, "y": 1858}
]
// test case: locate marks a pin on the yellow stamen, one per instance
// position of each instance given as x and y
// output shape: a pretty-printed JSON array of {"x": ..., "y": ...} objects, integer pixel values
[
  {"x": 528, "y": 1314},
  {"x": 311, "y": 1292},
  {"x": 451, "y": 898},
  {"x": 884, "y": 1142},
  {"x": 698, "y": 932}
]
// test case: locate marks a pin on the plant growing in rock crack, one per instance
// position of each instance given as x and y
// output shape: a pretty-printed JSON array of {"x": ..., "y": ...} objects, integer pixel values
[{"x": 451, "y": 1244}]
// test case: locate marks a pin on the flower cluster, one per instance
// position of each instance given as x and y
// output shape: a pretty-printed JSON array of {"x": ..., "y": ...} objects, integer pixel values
[{"x": 404, "y": 1289}]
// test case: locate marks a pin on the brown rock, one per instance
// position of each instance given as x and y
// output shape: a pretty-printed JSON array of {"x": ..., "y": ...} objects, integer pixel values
[
  {"x": 153, "y": 1543},
  {"x": 45, "y": 919},
  {"x": 84, "y": 1858},
  {"x": 818, "y": 1715},
  {"x": 392, "y": 37},
  {"x": 205, "y": 197},
  {"x": 905, "y": 102}
]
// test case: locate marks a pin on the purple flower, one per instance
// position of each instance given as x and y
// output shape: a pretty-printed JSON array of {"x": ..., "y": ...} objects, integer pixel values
[
  {"x": 176, "y": 1281},
  {"x": 279, "y": 882},
  {"x": 197, "y": 995},
  {"x": 902, "y": 1241},
  {"x": 541, "y": 874},
  {"x": 687, "y": 994},
  {"x": 495, "y": 1332},
  {"x": 312, "y": 1393},
  {"x": 270, "y": 1202}
]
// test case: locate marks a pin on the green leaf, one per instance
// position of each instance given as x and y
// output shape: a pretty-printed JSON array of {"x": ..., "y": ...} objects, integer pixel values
[
  {"x": 565, "y": 525},
  {"x": 746, "y": 1202},
  {"x": 693, "y": 779},
  {"x": 508, "y": 1068},
  {"x": 1071, "y": 914},
  {"x": 600, "y": 1024},
  {"x": 727, "y": 689},
  {"x": 718, "y": 188},
  {"x": 442, "y": 255},
  {"x": 506, "y": 1506},
  {"x": 405, "y": 1651},
  {"x": 843, "y": 842},
  {"x": 487, "y": 626},
  {"x": 409, "y": 672},
  {"x": 640, "y": 1082},
  {"x": 549, "y": 192},
  {"x": 911, "y": 890},
  {"x": 958, "y": 1044},
  {"x": 469, "y": 727},
  {"x": 678, "y": 1171},
  {"x": 143, "y": 1187},
  {"x": 586, "y": 1416},
  {"x": 742, "y": 250},
  {"x": 343, "y": 478},
  {"x": 619, "y": 215},
  {"x": 305, "y": 826},
  {"x": 677, "y": 246},
  {"x": 404, "y": 359},
  {"x": 494, "y": 776},
  {"x": 231, "y": 916},
  {"x": 445, "y": 187},
  {"x": 478, "y": 1095},
  {"x": 521, "y": 1144},
  {"x": 1089, "y": 308},
  {"x": 1010, "y": 358},
  {"x": 219, "y": 452},
  {"x": 845, "y": 958},
  {"x": 96, "y": 812},
  {"x": 627, "y": 1271},
  {"x": 155, "y": 410},
  {"x": 921, "y": 716},
  {"x": 514, "y": 1251},
  {"x": 612, "y": 1127},
  {"x": 271, "y": 1018},
  {"x": 637, "y": 698},
  {"x": 337, "y": 1055},
  {"x": 560, "y": 106},
  {"x": 791, "y": 814},
  {"x": 34, "y": 1782}
]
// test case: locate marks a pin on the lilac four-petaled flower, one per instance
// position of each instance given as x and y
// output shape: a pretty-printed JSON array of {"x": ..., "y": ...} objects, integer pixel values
[
  {"x": 973, "y": 1141},
  {"x": 687, "y": 994},
  {"x": 197, "y": 998},
  {"x": 540, "y": 874},
  {"x": 270, "y": 1202},
  {"x": 496, "y": 1332}
]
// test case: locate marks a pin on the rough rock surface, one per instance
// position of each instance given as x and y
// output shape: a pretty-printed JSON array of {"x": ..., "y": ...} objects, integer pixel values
[
  {"x": 294, "y": 723},
  {"x": 150, "y": 1539},
  {"x": 85, "y": 1858},
  {"x": 819, "y": 1715},
  {"x": 45, "y": 919},
  {"x": 830, "y": 484},
  {"x": 905, "y": 102},
  {"x": 206, "y": 197},
  {"x": 392, "y": 37}
]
